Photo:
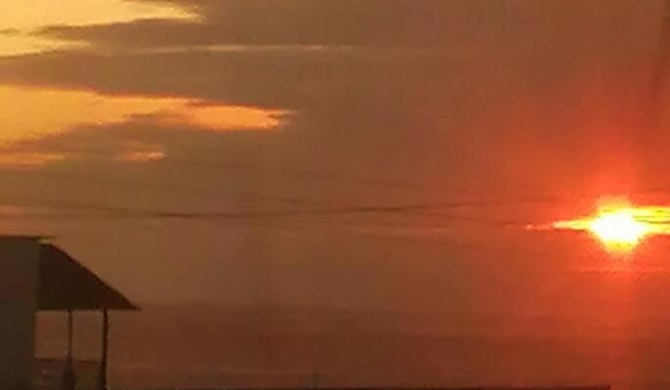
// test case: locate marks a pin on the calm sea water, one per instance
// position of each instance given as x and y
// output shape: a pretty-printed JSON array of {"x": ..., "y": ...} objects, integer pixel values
[{"x": 182, "y": 348}]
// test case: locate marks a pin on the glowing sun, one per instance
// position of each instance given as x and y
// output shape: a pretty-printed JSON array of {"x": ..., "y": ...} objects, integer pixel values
[{"x": 621, "y": 227}]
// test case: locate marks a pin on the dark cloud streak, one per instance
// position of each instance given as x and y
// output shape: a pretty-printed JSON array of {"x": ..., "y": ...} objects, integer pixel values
[{"x": 373, "y": 23}]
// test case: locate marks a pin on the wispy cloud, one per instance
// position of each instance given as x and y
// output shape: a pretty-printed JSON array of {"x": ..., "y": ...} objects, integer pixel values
[
  {"x": 22, "y": 21},
  {"x": 56, "y": 111},
  {"x": 29, "y": 160},
  {"x": 135, "y": 152}
]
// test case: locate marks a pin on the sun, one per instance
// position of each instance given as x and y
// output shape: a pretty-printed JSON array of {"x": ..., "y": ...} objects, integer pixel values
[
  {"x": 621, "y": 226},
  {"x": 619, "y": 229}
]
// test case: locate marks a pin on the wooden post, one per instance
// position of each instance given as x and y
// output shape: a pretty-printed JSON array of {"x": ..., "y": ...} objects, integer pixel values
[
  {"x": 70, "y": 338},
  {"x": 104, "y": 354},
  {"x": 69, "y": 379}
]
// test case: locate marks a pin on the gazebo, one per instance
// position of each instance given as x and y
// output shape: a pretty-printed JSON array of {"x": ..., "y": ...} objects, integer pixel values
[{"x": 39, "y": 276}]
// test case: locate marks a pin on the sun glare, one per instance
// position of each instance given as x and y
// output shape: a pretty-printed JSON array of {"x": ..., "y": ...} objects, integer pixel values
[{"x": 621, "y": 227}]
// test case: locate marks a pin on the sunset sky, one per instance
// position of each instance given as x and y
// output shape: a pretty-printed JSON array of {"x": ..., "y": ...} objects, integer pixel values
[{"x": 267, "y": 118}]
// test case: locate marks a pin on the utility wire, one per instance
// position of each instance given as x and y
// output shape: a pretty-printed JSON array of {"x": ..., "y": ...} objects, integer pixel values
[
  {"x": 80, "y": 209},
  {"x": 403, "y": 209},
  {"x": 315, "y": 176},
  {"x": 136, "y": 185},
  {"x": 296, "y": 174}
]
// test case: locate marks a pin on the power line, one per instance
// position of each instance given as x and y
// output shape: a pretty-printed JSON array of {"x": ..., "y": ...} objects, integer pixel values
[
  {"x": 443, "y": 240},
  {"x": 135, "y": 185},
  {"x": 297, "y": 174},
  {"x": 304, "y": 175},
  {"x": 103, "y": 210},
  {"x": 404, "y": 209},
  {"x": 319, "y": 208}
]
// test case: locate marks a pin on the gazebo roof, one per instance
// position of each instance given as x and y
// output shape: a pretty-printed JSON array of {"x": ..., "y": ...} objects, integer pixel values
[{"x": 65, "y": 284}]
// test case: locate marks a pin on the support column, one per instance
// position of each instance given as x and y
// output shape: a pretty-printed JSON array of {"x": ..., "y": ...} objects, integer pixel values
[
  {"x": 19, "y": 269},
  {"x": 104, "y": 354},
  {"x": 69, "y": 376},
  {"x": 70, "y": 338}
]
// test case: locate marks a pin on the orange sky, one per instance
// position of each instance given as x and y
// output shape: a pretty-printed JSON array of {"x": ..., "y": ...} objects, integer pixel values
[
  {"x": 54, "y": 111},
  {"x": 312, "y": 105},
  {"x": 385, "y": 155}
]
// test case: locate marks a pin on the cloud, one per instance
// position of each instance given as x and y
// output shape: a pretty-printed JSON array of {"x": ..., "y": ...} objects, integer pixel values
[
  {"x": 54, "y": 111},
  {"x": 22, "y": 18},
  {"x": 258, "y": 79},
  {"x": 435, "y": 111},
  {"x": 370, "y": 23},
  {"x": 28, "y": 160},
  {"x": 137, "y": 152},
  {"x": 288, "y": 79},
  {"x": 298, "y": 54},
  {"x": 525, "y": 84},
  {"x": 24, "y": 14},
  {"x": 8, "y": 32},
  {"x": 218, "y": 118}
]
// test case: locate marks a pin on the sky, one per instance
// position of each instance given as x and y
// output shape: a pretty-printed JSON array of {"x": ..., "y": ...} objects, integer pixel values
[{"x": 231, "y": 151}]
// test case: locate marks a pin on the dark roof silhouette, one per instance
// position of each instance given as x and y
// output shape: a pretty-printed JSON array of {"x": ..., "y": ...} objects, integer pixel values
[{"x": 64, "y": 284}]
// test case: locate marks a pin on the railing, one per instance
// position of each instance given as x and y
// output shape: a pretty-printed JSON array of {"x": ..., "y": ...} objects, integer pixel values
[{"x": 49, "y": 374}]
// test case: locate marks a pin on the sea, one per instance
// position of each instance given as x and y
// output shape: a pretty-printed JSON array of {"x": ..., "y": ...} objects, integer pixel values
[{"x": 205, "y": 346}]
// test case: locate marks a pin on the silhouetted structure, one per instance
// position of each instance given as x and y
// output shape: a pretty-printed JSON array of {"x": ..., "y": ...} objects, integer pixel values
[{"x": 38, "y": 276}]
